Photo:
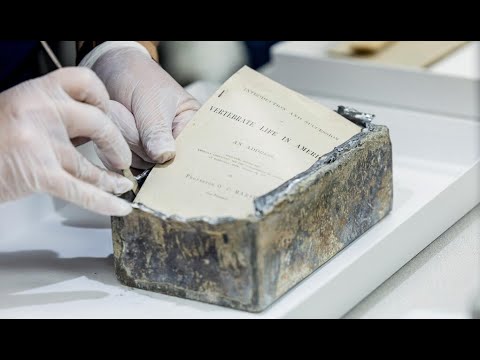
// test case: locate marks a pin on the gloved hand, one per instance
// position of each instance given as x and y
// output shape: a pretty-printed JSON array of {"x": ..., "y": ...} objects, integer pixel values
[
  {"x": 37, "y": 120},
  {"x": 149, "y": 106}
]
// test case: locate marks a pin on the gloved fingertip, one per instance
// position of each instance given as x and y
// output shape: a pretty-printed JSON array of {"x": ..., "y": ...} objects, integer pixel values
[
  {"x": 123, "y": 185},
  {"x": 123, "y": 208},
  {"x": 166, "y": 156},
  {"x": 115, "y": 161},
  {"x": 160, "y": 151}
]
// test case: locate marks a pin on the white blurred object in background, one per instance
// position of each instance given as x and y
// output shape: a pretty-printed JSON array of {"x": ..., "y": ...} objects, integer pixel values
[{"x": 215, "y": 61}]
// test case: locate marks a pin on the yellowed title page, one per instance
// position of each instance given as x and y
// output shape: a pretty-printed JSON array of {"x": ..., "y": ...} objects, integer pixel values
[{"x": 252, "y": 135}]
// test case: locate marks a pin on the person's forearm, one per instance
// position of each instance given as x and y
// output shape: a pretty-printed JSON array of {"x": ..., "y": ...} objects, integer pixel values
[{"x": 151, "y": 46}]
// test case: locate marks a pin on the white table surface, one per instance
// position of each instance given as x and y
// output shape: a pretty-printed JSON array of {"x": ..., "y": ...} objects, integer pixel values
[{"x": 441, "y": 281}]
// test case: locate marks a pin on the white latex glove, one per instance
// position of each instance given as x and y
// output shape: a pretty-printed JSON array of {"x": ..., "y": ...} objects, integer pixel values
[
  {"x": 149, "y": 106},
  {"x": 37, "y": 120}
]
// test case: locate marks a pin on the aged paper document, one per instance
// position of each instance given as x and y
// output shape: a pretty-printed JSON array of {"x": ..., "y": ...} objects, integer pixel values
[
  {"x": 405, "y": 53},
  {"x": 251, "y": 136},
  {"x": 368, "y": 47}
]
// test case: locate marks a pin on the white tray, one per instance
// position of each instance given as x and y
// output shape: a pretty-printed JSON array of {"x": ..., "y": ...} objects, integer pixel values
[
  {"x": 56, "y": 261},
  {"x": 451, "y": 86}
]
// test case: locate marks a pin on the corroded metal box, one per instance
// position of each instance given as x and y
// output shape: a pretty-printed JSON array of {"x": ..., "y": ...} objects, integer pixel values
[{"x": 248, "y": 263}]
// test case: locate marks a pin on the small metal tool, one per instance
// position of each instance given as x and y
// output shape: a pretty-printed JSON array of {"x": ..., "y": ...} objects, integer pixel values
[{"x": 51, "y": 54}]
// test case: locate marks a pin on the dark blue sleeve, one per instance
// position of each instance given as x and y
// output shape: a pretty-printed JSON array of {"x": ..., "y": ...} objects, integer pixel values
[
  {"x": 17, "y": 62},
  {"x": 258, "y": 52}
]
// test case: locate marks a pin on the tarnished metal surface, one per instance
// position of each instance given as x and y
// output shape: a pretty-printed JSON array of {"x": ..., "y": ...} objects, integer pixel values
[
  {"x": 248, "y": 263},
  {"x": 195, "y": 260},
  {"x": 328, "y": 209}
]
